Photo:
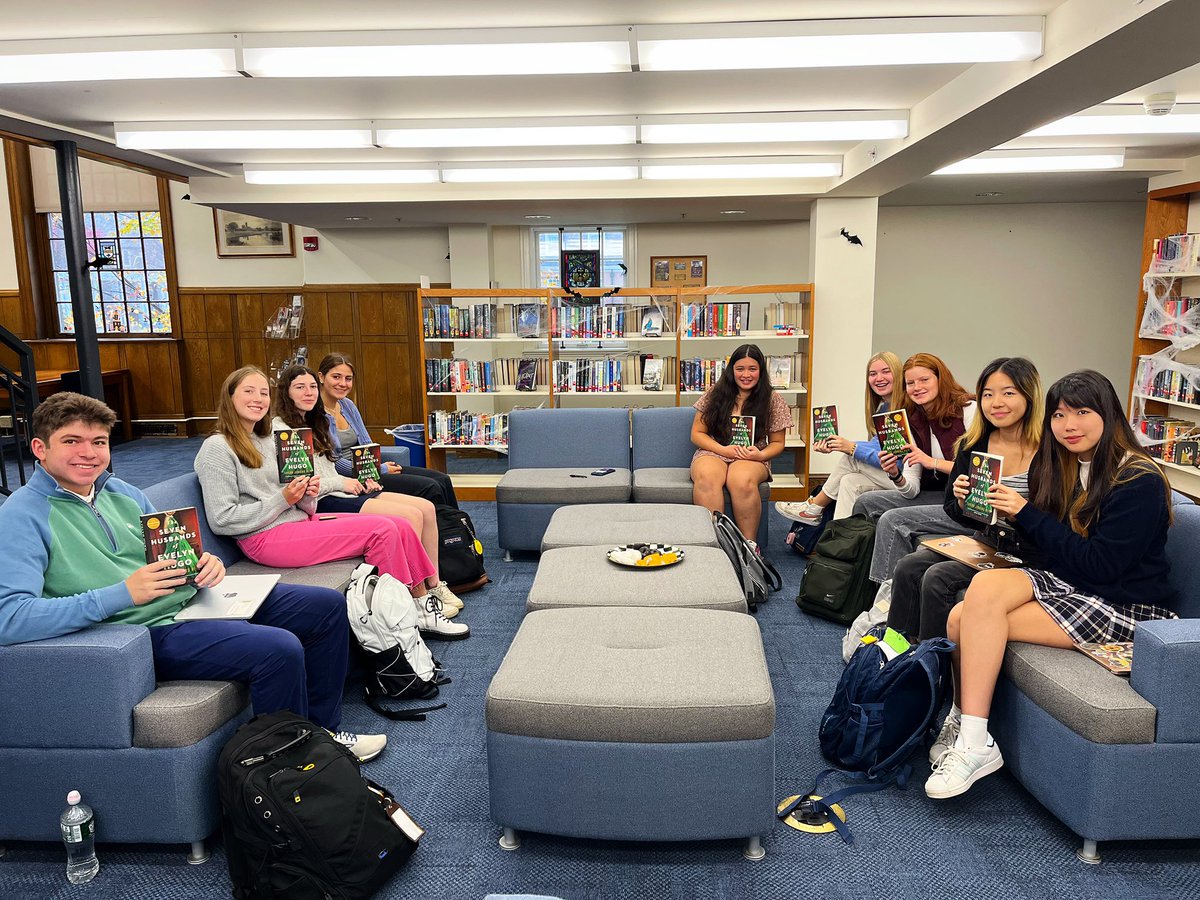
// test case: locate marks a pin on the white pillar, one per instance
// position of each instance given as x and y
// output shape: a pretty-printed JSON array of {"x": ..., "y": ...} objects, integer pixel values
[
  {"x": 843, "y": 276},
  {"x": 470, "y": 256}
]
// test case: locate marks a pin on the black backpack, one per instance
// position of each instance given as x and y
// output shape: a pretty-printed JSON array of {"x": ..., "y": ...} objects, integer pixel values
[
  {"x": 836, "y": 584},
  {"x": 460, "y": 556},
  {"x": 300, "y": 822},
  {"x": 802, "y": 537},
  {"x": 756, "y": 574}
]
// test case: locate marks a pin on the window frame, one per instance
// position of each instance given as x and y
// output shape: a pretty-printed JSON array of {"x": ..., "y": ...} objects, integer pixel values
[{"x": 534, "y": 258}]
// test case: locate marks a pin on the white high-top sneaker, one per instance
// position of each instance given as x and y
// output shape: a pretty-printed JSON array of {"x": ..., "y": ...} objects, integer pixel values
[
  {"x": 433, "y": 624},
  {"x": 451, "y": 604}
]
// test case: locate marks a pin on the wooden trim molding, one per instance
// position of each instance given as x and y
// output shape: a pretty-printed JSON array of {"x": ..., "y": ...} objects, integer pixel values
[{"x": 30, "y": 281}]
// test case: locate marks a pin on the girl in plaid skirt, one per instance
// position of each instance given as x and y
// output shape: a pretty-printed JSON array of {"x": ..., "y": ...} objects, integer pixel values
[{"x": 1099, "y": 509}]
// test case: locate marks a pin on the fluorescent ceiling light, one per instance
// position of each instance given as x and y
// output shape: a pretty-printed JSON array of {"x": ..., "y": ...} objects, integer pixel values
[
  {"x": 845, "y": 42},
  {"x": 1121, "y": 119},
  {"x": 1009, "y": 161},
  {"x": 116, "y": 59},
  {"x": 767, "y": 127},
  {"x": 335, "y": 174},
  {"x": 512, "y": 133},
  {"x": 744, "y": 167},
  {"x": 542, "y": 172},
  {"x": 495, "y": 51},
  {"x": 242, "y": 135}
]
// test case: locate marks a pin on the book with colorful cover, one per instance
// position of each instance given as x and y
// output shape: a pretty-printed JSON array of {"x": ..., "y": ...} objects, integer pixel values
[
  {"x": 779, "y": 371},
  {"x": 741, "y": 431},
  {"x": 527, "y": 375},
  {"x": 1117, "y": 656},
  {"x": 174, "y": 534},
  {"x": 294, "y": 453},
  {"x": 825, "y": 422},
  {"x": 367, "y": 461},
  {"x": 983, "y": 470},
  {"x": 893, "y": 431}
]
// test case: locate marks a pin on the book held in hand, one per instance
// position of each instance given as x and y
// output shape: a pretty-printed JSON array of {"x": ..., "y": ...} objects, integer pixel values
[
  {"x": 1117, "y": 657},
  {"x": 527, "y": 375},
  {"x": 741, "y": 431},
  {"x": 294, "y": 453},
  {"x": 825, "y": 422},
  {"x": 982, "y": 472},
  {"x": 367, "y": 461},
  {"x": 174, "y": 534},
  {"x": 894, "y": 433}
]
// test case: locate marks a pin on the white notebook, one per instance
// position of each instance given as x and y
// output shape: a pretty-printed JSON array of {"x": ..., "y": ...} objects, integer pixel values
[{"x": 236, "y": 597}]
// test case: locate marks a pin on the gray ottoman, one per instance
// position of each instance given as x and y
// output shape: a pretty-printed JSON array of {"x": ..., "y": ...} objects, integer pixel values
[
  {"x": 610, "y": 524},
  {"x": 633, "y": 724},
  {"x": 583, "y": 576}
]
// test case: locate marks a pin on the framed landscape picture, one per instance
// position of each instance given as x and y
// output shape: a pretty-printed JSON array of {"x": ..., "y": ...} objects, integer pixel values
[{"x": 241, "y": 234}]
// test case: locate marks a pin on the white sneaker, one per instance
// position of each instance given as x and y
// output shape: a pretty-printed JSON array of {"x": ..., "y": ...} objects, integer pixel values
[
  {"x": 365, "y": 747},
  {"x": 432, "y": 623},
  {"x": 946, "y": 738},
  {"x": 450, "y": 602},
  {"x": 804, "y": 511},
  {"x": 959, "y": 768}
]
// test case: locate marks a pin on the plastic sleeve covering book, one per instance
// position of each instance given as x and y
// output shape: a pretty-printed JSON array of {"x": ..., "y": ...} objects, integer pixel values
[
  {"x": 779, "y": 371},
  {"x": 527, "y": 375},
  {"x": 652, "y": 377},
  {"x": 366, "y": 459},
  {"x": 894, "y": 433},
  {"x": 174, "y": 534},
  {"x": 294, "y": 453},
  {"x": 1116, "y": 657},
  {"x": 741, "y": 431},
  {"x": 825, "y": 422},
  {"x": 982, "y": 472}
]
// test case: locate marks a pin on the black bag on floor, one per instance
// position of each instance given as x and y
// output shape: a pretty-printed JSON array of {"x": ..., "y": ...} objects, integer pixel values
[
  {"x": 460, "y": 552},
  {"x": 300, "y": 822},
  {"x": 836, "y": 584},
  {"x": 802, "y": 537},
  {"x": 756, "y": 574}
]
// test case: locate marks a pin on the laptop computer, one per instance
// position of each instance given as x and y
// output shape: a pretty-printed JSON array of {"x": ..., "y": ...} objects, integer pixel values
[
  {"x": 971, "y": 551},
  {"x": 236, "y": 597}
]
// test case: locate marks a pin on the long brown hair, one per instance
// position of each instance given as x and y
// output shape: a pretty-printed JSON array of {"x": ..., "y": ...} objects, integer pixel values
[
  {"x": 951, "y": 396},
  {"x": 315, "y": 418},
  {"x": 229, "y": 424},
  {"x": 892, "y": 361},
  {"x": 1118, "y": 457}
]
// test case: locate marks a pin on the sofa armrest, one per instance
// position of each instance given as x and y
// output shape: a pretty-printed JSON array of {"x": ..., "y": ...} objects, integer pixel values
[
  {"x": 78, "y": 690},
  {"x": 401, "y": 456},
  {"x": 1166, "y": 658}
]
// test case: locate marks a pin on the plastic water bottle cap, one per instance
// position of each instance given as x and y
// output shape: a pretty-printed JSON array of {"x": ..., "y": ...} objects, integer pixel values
[{"x": 73, "y": 798}]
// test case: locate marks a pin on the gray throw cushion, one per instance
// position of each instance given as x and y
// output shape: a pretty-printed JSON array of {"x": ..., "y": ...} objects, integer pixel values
[
  {"x": 671, "y": 486},
  {"x": 583, "y": 576},
  {"x": 611, "y": 524},
  {"x": 181, "y": 713},
  {"x": 1082, "y": 694},
  {"x": 636, "y": 675},
  {"x": 557, "y": 486}
]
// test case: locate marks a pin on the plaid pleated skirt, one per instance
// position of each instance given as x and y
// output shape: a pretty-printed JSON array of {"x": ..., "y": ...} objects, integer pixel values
[{"x": 1087, "y": 618}]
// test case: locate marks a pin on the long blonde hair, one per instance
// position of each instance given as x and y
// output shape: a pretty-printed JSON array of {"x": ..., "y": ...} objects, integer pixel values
[
  {"x": 872, "y": 401},
  {"x": 229, "y": 424}
]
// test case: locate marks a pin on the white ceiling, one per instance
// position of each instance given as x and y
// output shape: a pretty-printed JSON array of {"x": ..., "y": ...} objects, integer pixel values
[{"x": 1096, "y": 50}]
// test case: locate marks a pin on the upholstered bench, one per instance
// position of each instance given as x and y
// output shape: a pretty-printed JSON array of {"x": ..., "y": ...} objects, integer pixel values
[
  {"x": 582, "y": 576},
  {"x": 633, "y": 724},
  {"x": 611, "y": 524}
]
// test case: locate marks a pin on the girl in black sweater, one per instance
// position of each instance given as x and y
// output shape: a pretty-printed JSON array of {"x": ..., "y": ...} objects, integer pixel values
[{"x": 1099, "y": 509}]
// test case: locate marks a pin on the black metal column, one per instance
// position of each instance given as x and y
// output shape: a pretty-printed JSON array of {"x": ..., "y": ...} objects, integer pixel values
[{"x": 66, "y": 155}]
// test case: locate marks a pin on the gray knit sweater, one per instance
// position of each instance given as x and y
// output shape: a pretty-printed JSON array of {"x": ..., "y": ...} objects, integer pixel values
[{"x": 239, "y": 501}]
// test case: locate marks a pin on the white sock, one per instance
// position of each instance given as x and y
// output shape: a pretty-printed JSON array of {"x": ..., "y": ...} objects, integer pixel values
[
  {"x": 955, "y": 714},
  {"x": 974, "y": 733}
]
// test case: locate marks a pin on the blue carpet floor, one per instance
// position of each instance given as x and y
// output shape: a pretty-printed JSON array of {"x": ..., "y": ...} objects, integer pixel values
[{"x": 997, "y": 841}]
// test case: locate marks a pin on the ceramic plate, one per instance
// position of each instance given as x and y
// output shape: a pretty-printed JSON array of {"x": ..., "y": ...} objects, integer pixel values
[{"x": 653, "y": 556}]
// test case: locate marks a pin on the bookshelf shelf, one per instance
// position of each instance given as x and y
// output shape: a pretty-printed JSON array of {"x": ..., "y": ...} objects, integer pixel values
[
  {"x": 748, "y": 337},
  {"x": 501, "y": 392},
  {"x": 507, "y": 338},
  {"x": 1166, "y": 401},
  {"x": 500, "y": 448}
]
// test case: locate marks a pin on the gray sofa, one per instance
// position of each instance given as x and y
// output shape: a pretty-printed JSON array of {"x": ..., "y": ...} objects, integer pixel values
[{"x": 1114, "y": 758}]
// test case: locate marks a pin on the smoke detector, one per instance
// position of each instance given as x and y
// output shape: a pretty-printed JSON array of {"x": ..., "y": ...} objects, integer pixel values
[{"x": 1159, "y": 104}]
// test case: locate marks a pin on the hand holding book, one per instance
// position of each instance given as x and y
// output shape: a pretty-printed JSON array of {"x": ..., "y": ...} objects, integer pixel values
[{"x": 1005, "y": 500}]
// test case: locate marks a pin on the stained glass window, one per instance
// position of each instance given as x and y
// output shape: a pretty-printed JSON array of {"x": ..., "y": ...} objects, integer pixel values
[
  {"x": 550, "y": 242},
  {"x": 129, "y": 295}
]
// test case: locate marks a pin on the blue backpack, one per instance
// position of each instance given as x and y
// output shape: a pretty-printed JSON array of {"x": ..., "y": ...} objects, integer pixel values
[
  {"x": 802, "y": 537},
  {"x": 881, "y": 712}
]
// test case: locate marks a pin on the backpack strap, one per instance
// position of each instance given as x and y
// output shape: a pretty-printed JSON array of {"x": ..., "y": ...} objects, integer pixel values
[
  {"x": 400, "y": 715},
  {"x": 811, "y": 803}
]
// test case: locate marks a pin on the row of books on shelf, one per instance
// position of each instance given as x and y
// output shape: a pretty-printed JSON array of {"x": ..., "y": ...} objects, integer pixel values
[
  {"x": 479, "y": 320},
  {"x": 464, "y": 429},
  {"x": 714, "y": 319},
  {"x": 1176, "y": 316},
  {"x": 701, "y": 374},
  {"x": 589, "y": 375},
  {"x": 1175, "y": 253},
  {"x": 1171, "y": 440},
  {"x": 1175, "y": 384},
  {"x": 594, "y": 320},
  {"x": 470, "y": 376}
]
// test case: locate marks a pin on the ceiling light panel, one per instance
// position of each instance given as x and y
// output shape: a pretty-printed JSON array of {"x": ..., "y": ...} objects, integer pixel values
[
  {"x": 116, "y": 59},
  {"x": 334, "y": 174},
  {"x": 495, "y": 51},
  {"x": 543, "y": 172},
  {"x": 1022, "y": 161},
  {"x": 833, "y": 43},
  {"x": 562, "y": 132},
  {"x": 743, "y": 167},
  {"x": 1122, "y": 120},
  {"x": 770, "y": 127},
  {"x": 243, "y": 135}
]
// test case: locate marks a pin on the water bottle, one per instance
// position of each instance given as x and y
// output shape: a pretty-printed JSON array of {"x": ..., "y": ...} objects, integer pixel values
[{"x": 79, "y": 834}]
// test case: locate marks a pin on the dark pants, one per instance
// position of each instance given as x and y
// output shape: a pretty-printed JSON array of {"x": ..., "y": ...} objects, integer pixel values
[
  {"x": 292, "y": 653},
  {"x": 925, "y": 587},
  {"x": 431, "y": 484}
]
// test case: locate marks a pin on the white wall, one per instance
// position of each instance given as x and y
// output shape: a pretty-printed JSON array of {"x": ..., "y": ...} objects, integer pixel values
[
  {"x": 738, "y": 252},
  {"x": 1057, "y": 283},
  {"x": 8, "y": 250},
  {"x": 377, "y": 256}
]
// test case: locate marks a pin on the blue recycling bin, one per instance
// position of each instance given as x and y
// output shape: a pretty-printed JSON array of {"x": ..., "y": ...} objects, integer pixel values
[{"x": 412, "y": 437}]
